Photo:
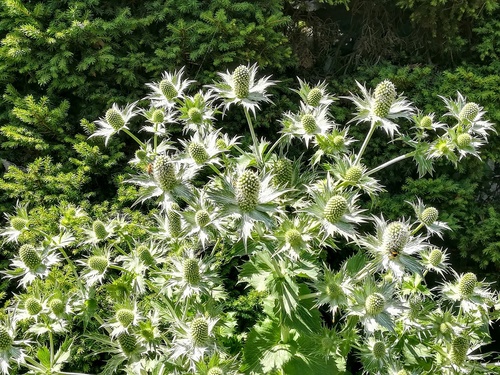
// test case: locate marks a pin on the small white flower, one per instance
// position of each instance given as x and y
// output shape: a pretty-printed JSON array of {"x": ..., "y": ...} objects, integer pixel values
[{"x": 115, "y": 120}]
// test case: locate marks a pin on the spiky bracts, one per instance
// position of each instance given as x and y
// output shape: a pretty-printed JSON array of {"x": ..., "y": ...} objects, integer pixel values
[
  {"x": 198, "y": 152},
  {"x": 29, "y": 256},
  {"x": 314, "y": 97},
  {"x": 459, "y": 348},
  {"x": 335, "y": 208},
  {"x": 469, "y": 112},
  {"x": 247, "y": 190},
  {"x": 283, "y": 170},
  {"x": 33, "y": 306},
  {"x": 375, "y": 304},
  {"x": 125, "y": 317},
  {"x": 115, "y": 119},
  {"x": 241, "y": 79},
  {"x": 98, "y": 263},
  {"x": 395, "y": 237},
  {"x": 164, "y": 172},
  {"x": 385, "y": 94},
  {"x": 168, "y": 89},
  {"x": 5, "y": 339},
  {"x": 466, "y": 284},
  {"x": 429, "y": 215},
  {"x": 99, "y": 229},
  {"x": 191, "y": 271},
  {"x": 57, "y": 306},
  {"x": 308, "y": 123},
  {"x": 128, "y": 343},
  {"x": 199, "y": 331}
]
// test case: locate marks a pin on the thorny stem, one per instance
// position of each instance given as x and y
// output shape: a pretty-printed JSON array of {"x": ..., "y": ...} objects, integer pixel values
[
  {"x": 254, "y": 137},
  {"x": 373, "y": 126},
  {"x": 390, "y": 162}
]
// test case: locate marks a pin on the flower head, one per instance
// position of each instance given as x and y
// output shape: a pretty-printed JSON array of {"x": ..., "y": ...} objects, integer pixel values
[
  {"x": 170, "y": 88},
  {"x": 115, "y": 120}
]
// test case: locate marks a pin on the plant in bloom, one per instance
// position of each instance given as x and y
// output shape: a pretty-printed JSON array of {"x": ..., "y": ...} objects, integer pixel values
[{"x": 237, "y": 260}]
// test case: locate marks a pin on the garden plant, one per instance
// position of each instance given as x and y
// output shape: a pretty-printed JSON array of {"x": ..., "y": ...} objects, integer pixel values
[{"x": 233, "y": 266}]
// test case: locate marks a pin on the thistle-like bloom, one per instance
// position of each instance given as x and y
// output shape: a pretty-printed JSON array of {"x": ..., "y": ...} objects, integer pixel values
[
  {"x": 197, "y": 112},
  {"x": 247, "y": 198},
  {"x": 240, "y": 87},
  {"x": 334, "y": 143},
  {"x": 159, "y": 118},
  {"x": 381, "y": 107},
  {"x": 428, "y": 216},
  {"x": 307, "y": 123},
  {"x": 100, "y": 231},
  {"x": 393, "y": 247},
  {"x": 190, "y": 276},
  {"x": 294, "y": 238},
  {"x": 201, "y": 149},
  {"x": 116, "y": 119},
  {"x": 168, "y": 90},
  {"x": 469, "y": 116},
  {"x": 18, "y": 223},
  {"x": 426, "y": 123},
  {"x": 474, "y": 296},
  {"x": 124, "y": 320},
  {"x": 32, "y": 262},
  {"x": 375, "y": 306},
  {"x": 96, "y": 266},
  {"x": 335, "y": 209},
  {"x": 10, "y": 350},
  {"x": 334, "y": 290},
  {"x": 314, "y": 96},
  {"x": 435, "y": 259}
]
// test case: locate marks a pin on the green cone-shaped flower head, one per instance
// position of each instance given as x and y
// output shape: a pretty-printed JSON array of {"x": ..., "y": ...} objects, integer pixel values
[
  {"x": 221, "y": 144},
  {"x": 426, "y": 122},
  {"x": 33, "y": 306},
  {"x": 338, "y": 141},
  {"x": 99, "y": 229},
  {"x": 459, "y": 348},
  {"x": 174, "y": 220},
  {"x": 125, "y": 317},
  {"x": 309, "y": 123},
  {"x": 385, "y": 94},
  {"x": 464, "y": 140},
  {"x": 115, "y": 119},
  {"x": 195, "y": 115},
  {"x": 241, "y": 80},
  {"x": 378, "y": 350},
  {"x": 247, "y": 190},
  {"x": 168, "y": 89},
  {"x": 375, "y": 303},
  {"x": 197, "y": 152},
  {"x": 466, "y": 284},
  {"x": 314, "y": 97},
  {"x": 293, "y": 237},
  {"x": 128, "y": 343},
  {"x": 395, "y": 237},
  {"x": 435, "y": 257},
  {"x": 145, "y": 255},
  {"x": 469, "y": 112},
  {"x": 18, "y": 223},
  {"x": 5, "y": 339},
  {"x": 335, "y": 208},
  {"x": 29, "y": 256},
  {"x": 98, "y": 263},
  {"x": 282, "y": 172},
  {"x": 353, "y": 174},
  {"x": 402, "y": 372},
  {"x": 191, "y": 271},
  {"x": 158, "y": 116},
  {"x": 429, "y": 215},
  {"x": 202, "y": 218},
  {"x": 444, "y": 328},
  {"x": 164, "y": 173},
  {"x": 57, "y": 306},
  {"x": 333, "y": 290},
  {"x": 199, "y": 331},
  {"x": 215, "y": 371}
]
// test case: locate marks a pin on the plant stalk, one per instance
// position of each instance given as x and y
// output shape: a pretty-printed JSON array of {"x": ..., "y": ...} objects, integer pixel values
[
  {"x": 373, "y": 126},
  {"x": 254, "y": 137},
  {"x": 390, "y": 162}
]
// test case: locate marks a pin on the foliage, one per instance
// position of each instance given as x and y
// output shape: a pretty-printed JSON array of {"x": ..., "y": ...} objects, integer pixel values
[{"x": 147, "y": 294}]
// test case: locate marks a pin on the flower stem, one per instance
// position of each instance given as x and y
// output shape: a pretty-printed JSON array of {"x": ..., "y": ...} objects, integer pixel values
[
  {"x": 133, "y": 137},
  {"x": 254, "y": 137},
  {"x": 414, "y": 232},
  {"x": 274, "y": 146},
  {"x": 51, "y": 339},
  {"x": 390, "y": 162},
  {"x": 373, "y": 126}
]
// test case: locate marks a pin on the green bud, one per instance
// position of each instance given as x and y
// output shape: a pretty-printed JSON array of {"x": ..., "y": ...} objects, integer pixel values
[
  {"x": 241, "y": 80},
  {"x": 335, "y": 208},
  {"x": 375, "y": 304}
]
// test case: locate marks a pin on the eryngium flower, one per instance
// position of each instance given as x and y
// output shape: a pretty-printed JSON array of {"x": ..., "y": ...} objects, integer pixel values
[
  {"x": 18, "y": 223},
  {"x": 191, "y": 271},
  {"x": 198, "y": 152},
  {"x": 375, "y": 304},
  {"x": 464, "y": 140},
  {"x": 241, "y": 79},
  {"x": 469, "y": 112},
  {"x": 385, "y": 94},
  {"x": 29, "y": 256},
  {"x": 174, "y": 220},
  {"x": 125, "y": 317},
  {"x": 168, "y": 89},
  {"x": 5, "y": 339},
  {"x": 99, "y": 229},
  {"x": 396, "y": 236},
  {"x": 335, "y": 208},
  {"x": 353, "y": 174},
  {"x": 164, "y": 172},
  {"x": 283, "y": 170},
  {"x": 247, "y": 190},
  {"x": 429, "y": 216},
  {"x": 314, "y": 97},
  {"x": 467, "y": 283},
  {"x": 98, "y": 263},
  {"x": 199, "y": 331},
  {"x": 459, "y": 348},
  {"x": 215, "y": 371},
  {"x": 128, "y": 343},
  {"x": 114, "y": 120},
  {"x": 33, "y": 306}
]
